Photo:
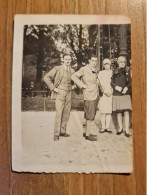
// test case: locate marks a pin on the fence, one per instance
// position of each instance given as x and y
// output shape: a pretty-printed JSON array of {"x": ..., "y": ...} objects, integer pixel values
[{"x": 33, "y": 100}]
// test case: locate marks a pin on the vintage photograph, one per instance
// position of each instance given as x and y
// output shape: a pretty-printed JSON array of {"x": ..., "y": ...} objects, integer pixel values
[{"x": 71, "y": 94}]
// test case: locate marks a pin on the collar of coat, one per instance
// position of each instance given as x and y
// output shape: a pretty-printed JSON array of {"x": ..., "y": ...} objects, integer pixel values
[
  {"x": 92, "y": 69},
  {"x": 61, "y": 70}
]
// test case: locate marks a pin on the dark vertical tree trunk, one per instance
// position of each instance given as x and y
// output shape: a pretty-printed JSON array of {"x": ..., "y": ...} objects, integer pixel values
[
  {"x": 92, "y": 36},
  {"x": 123, "y": 40},
  {"x": 98, "y": 47},
  {"x": 80, "y": 57},
  {"x": 40, "y": 59}
]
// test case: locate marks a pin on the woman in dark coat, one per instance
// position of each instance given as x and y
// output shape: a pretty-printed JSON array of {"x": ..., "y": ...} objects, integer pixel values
[{"x": 121, "y": 103}]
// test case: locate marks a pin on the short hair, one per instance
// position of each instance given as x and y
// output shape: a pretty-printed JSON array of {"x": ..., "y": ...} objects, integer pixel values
[
  {"x": 66, "y": 54},
  {"x": 121, "y": 58},
  {"x": 93, "y": 56},
  {"x": 106, "y": 61}
]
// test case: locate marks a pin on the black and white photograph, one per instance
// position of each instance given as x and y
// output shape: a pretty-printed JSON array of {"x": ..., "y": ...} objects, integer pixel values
[{"x": 72, "y": 94}]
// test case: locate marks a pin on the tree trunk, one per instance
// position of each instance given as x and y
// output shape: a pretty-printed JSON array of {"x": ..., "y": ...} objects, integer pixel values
[
  {"x": 80, "y": 57},
  {"x": 123, "y": 40},
  {"x": 98, "y": 48},
  {"x": 40, "y": 60}
]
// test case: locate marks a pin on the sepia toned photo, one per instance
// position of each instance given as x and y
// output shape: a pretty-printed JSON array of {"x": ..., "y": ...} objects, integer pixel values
[{"x": 72, "y": 94}]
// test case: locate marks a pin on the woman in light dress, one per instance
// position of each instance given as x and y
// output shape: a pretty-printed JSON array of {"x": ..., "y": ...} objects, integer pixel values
[{"x": 105, "y": 104}]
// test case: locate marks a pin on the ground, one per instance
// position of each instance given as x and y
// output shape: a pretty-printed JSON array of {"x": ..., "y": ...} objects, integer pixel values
[{"x": 40, "y": 153}]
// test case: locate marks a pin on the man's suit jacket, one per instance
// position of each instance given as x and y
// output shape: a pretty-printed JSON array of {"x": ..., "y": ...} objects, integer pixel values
[
  {"x": 54, "y": 77},
  {"x": 87, "y": 77}
]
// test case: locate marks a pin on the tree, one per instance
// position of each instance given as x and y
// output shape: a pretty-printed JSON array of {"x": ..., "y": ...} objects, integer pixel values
[
  {"x": 79, "y": 40},
  {"x": 38, "y": 40},
  {"x": 41, "y": 40},
  {"x": 110, "y": 42},
  {"x": 51, "y": 41}
]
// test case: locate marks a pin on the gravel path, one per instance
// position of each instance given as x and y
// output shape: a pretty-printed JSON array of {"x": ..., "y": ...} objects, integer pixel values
[{"x": 110, "y": 153}]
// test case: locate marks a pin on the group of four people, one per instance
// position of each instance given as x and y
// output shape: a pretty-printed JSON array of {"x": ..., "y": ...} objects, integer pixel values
[{"x": 115, "y": 87}]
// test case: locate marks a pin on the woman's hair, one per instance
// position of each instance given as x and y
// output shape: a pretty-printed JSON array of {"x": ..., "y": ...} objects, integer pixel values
[
  {"x": 106, "y": 61},
  {"x": 121, "y": 58}
]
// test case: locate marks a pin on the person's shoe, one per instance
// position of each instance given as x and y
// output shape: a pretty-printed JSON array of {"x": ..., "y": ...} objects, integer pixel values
[
  {"x": 102, "y": 131},
  {"x": 56, "y": 138},
  {"x": 64, "y": 135},
  {"x": 108, "y": 130},
  {"x": 84, "y": 135},
  {"x": 127, "y": 134},
  {"x": 119, "y": 132},
  {"x": 91, "y": 138},
  {"x": 93, "y": 135}
]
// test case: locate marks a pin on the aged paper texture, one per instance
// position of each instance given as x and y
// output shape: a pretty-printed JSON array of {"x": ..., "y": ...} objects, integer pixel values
[{"x": 71, "y": 94}]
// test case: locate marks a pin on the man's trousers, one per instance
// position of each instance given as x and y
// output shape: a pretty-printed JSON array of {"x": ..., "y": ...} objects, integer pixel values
[{"x": 63, "y": 107}]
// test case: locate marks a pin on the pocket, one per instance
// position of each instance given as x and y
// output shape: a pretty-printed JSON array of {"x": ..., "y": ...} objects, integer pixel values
[
  {"x": 61, "y": 95},
  {"x": 53, "y": 95},
  {"x": 59, "y": 91}
]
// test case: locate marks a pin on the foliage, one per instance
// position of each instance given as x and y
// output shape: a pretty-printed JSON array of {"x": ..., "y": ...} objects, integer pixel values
[{"x": 48, "y": 43}]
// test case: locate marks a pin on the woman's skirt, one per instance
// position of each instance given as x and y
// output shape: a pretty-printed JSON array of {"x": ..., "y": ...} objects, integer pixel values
[
  {"x": 121, "y": 103},
  {"x": 105, "y": 104}
]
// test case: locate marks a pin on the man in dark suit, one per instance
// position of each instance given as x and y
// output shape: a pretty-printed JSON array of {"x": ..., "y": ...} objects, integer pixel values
[{"x": 59, "y": 82}]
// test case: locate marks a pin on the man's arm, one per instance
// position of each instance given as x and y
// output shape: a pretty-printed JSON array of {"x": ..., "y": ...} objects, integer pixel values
[
  {"x": 49, "y": 77},
  {"x": 100, "y": 82},
  {"x": 76, "y": 77}
]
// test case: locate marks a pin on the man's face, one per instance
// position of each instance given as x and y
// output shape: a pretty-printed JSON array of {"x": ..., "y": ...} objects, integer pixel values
[
  {"x": 67, "y": 60},
  {"x": 93, "y": 62}
]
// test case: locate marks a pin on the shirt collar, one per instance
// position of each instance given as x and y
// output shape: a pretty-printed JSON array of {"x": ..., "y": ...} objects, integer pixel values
[
  {"x": 93, "y": 69},
  {"x": 66, "y": 67}
]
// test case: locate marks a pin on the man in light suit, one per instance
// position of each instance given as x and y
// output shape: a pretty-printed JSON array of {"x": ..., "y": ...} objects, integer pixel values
[
  {"x": 87, "y": 80},
  {"x": 59, "y": 82}
]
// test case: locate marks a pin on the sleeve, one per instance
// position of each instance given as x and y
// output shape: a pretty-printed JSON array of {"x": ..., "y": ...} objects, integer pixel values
[
  {"x": 100, "y": 81},
  {"x": 73, "y": 71},
  {"x": 76, "y": 78},
  {"x": 113, "y": 81},
  {"x": 99, "y": 77},
  {"x": 49, "y": 77},
  {"x": 128, "y": 84}
]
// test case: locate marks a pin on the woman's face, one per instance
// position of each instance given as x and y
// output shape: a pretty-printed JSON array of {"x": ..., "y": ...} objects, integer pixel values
[
  {"x": 122, "y": 63},
  {"x": 107, "y": 66}
]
